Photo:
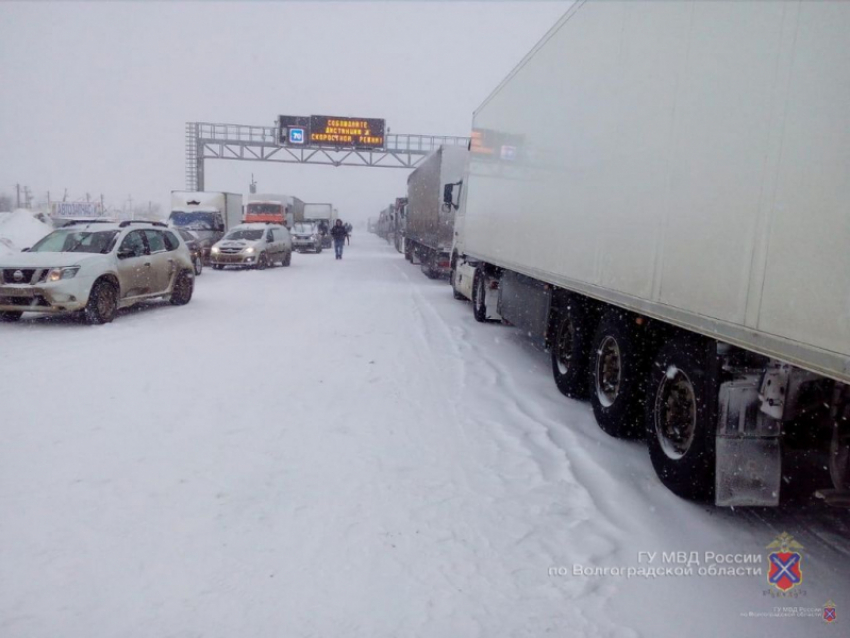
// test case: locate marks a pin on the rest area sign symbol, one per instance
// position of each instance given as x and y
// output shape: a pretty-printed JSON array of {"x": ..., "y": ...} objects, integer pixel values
[{"x": 296, "y": 136}]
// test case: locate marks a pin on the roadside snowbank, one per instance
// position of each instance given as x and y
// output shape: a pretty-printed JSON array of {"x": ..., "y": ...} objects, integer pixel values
[{"x": 19, "y": 230}]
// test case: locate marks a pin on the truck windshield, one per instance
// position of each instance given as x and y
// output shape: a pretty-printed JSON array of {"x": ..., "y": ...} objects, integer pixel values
[
  {"x": 251, "y": 235},
  {"x": 193, "y": 220},
  {"x": 69, "y": 241},
  {"x": 265, "y": 209}
]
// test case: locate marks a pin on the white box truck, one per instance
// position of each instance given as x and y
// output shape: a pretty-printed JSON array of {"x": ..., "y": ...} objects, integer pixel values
[
  {"x": 662, "y": 191},
  {"x": 428, "y": 224},
  {"x": 208, "y": 214}
]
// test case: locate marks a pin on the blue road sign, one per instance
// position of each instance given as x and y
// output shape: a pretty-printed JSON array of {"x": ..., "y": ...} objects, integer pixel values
[{"x": 296, "y": 136}]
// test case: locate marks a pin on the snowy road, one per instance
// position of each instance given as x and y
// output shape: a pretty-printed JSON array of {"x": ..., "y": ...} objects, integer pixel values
[{"x": 338, "y": 449}]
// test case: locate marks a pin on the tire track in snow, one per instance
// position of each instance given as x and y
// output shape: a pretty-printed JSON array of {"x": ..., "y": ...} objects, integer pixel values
[{"x": 535, "y": 445}]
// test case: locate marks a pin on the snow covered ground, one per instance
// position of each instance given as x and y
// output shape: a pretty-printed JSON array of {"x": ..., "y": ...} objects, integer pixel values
[{"x": 338, "y": 449}]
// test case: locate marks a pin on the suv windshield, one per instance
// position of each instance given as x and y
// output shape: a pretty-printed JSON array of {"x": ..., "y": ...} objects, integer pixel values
[
  {"x": 253, "y": 235},
  {"x": 193, "y": 220},
  {"x": 71, "y": 241}
]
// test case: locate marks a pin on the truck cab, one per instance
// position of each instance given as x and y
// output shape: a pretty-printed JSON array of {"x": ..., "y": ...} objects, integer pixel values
[{"x": 267, "y": 212}]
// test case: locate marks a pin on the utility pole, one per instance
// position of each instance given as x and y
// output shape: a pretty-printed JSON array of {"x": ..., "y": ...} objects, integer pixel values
[
  {"x": 17, "y": 196},
  {"x": 102, "y": 209},
  {"x": 27, "y": 197}
]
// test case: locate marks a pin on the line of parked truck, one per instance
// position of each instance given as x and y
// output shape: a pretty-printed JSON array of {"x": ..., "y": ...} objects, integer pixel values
[{"x": 660, "y": 192}]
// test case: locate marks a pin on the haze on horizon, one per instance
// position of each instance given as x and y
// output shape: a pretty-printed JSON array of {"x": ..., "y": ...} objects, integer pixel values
[{"x": 98, "y": 94}]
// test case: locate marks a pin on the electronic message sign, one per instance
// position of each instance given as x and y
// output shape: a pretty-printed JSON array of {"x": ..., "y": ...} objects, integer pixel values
[{"x": 331, "y": 130}]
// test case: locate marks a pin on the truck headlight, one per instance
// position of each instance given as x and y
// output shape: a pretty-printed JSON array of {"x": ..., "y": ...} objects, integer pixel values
[{"x": 56, "y": 274}]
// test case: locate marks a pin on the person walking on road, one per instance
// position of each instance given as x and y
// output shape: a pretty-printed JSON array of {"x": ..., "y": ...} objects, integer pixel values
[
  {"x": 339, "y": 234},
  {"x": 348, "y": 229}
]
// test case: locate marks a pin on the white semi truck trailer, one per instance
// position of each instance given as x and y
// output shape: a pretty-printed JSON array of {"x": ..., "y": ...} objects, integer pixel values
[
  {"x": 662, "y": 191},
  {"x": 426, "y": 224}
]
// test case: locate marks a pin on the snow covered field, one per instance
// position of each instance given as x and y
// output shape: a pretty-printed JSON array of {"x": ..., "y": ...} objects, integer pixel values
[{"x": 338, "y": 449}]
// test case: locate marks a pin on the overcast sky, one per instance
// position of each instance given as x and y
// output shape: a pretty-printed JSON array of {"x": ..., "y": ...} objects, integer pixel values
[{"x": 96, "y": 95}]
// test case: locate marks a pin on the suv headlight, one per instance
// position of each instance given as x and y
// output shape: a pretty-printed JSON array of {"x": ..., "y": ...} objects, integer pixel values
[
  {"x": 249, "y": 249},
  {"x": 56, "y": 274},
  {"x": 214, "y": 249}
]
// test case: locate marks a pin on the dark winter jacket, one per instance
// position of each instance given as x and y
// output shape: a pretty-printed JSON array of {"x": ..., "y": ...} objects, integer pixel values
[{"x": 338, "y": 233}]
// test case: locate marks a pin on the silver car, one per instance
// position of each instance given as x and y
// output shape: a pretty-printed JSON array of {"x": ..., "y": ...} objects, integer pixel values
[
  {"x": 257, "y": 245},
  {"x": 306, "y": 236},
  {"x": 95, "y": 269}
]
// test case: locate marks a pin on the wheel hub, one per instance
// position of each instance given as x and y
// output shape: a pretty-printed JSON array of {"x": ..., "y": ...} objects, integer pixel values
[
  {"x": 564, "y": 345},
  {"x": 608, "y": 369},
  {"x": 675, "y": 414}
]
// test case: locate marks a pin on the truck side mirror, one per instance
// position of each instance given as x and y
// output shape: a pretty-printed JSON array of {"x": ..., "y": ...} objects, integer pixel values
[{"x": 448, "y": 193}]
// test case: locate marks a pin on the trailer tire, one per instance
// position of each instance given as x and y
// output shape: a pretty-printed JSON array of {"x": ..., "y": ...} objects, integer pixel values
[
  {"x": 570, "y": 348},
  {"x": 427, "y": 266},
  {"x": 479, "y": 296},
  {"x": 617, "y": 376},
  {"x": 455, "y": 293},
  {"x": 679, "y": 430}
]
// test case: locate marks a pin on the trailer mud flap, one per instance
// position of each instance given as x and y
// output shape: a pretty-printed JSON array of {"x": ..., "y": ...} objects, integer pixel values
[{"x": 748, "y": 468}]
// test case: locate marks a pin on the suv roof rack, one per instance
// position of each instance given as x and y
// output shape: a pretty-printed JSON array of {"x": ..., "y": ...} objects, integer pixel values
[
  {"x": 126, "y": 223},
  {"x": 74, "y": 222}
]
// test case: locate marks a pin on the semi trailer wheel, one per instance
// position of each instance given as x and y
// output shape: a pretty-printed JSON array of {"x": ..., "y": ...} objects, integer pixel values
[
  {"x": 570, "y": 346},
  {"x": 617, "y": 375},
  {"x": 679, "y": 429},
  {"x": 839, "y": 456},
  {"x": 452, "y": 276},
  {"x": 479, "y": 296}
]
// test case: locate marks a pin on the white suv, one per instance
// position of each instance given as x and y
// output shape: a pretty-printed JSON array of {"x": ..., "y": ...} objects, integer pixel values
[
  {"x": 97, "y": 268},
  {"x": 255, "y": 245}
]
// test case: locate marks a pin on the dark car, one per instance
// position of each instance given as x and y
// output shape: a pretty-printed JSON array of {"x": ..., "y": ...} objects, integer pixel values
[{"x": 195, "y": 249}]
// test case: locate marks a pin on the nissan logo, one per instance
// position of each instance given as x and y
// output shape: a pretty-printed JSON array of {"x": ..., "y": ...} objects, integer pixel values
[{"x": 18, "y": 276}]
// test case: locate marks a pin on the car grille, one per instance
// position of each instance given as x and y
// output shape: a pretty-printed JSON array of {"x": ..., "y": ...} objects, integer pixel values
[
  {"x": 230, "y": 251},
  {"x": 25, "y": 278}
]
